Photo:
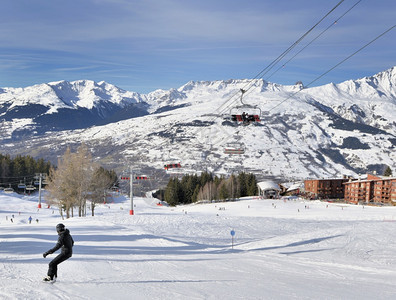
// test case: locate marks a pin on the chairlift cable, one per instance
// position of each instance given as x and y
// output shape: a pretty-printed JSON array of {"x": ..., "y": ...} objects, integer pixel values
[
  {"x": 284, "y": 53},
  {"x": 235, "y": 97},
  {"x": 323, "y": 74},
  {"x": 249, "y": 85},
  {"x": 319, "y": 35},
  {"x": 335, "y": 66},
  {"x": 353, "y": 54}
]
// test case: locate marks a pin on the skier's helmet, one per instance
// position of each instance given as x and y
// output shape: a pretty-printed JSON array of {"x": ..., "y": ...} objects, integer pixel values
[{"x": 60, "y": 227}]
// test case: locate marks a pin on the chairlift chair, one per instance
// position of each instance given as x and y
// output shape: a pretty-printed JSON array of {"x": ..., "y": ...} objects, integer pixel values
[
  {"x": 175, "y": 170},
  {"x": 234, "y": 148},
  {"x": 45, "y": 179},
  {"x": 30, "y": 187},
  {"x": 21, "y": 185},
  {"x": 9, "y": 190},
  {"x": 172, "y": 166},
  {"x": 245, "y": 113}
]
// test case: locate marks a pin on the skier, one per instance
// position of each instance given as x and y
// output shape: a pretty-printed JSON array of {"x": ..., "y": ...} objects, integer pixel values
[
  {"x": 65, "y": 241},
  {"x": 244, "y": 117}
]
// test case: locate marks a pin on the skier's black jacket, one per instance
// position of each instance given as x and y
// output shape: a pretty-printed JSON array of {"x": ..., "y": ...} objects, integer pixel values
[{"x": 65, "y": 241}]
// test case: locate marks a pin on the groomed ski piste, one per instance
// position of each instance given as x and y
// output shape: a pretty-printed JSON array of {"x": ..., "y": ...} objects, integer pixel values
[{"x": 282, "y": 249}]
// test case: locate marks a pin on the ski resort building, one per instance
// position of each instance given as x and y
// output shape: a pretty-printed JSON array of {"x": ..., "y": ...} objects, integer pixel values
[
  {"x": 268, "y": 189},
  {"x": 373, "y": 190},
  {"x": 292, "y": 188},
  {"x": 325, "y": 188}
]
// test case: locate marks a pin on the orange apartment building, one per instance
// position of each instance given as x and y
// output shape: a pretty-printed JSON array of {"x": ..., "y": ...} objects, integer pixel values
[
  {"x": 373, "y": 190},
  {"x": 325, "y": 188}
]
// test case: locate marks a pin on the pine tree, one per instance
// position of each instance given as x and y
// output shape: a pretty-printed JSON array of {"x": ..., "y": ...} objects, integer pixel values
[
  {"x": 30, "y": 165},
  {"x": 5, "y": 168},
  {"x": 205, "y": 177},
  {"x": 19, "y": 168},
  {"x": 196, "y": 193},
  {"x": 251, "y": 184},
  {"x": 242, "y": 184},
  {"x": 223, "y": 190},
  {"x": 388, "y": 171},
  {"x": 172, "y": 192},
  {"x": 189, "y": 184},
  {"x": 234, "y": 187}
]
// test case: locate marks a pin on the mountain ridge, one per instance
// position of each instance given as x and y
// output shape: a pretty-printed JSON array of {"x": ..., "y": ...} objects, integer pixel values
[{"x": 346, "y": 128}]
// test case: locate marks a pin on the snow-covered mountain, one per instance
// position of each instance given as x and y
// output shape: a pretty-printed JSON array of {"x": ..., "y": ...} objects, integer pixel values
[
  {"x": 65, "y": 105},
  {"x": 331, "y": 130}
]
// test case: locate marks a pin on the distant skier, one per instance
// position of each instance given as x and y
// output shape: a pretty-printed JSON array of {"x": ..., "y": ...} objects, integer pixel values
[
  {"x": 65, "y": 241},
  {"x": 244, "y": 117},
  {"x": 30, "y": 219}
]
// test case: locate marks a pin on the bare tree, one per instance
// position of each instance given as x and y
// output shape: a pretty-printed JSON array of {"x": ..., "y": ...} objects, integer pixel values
[
  {"x": 70, "y": 181},
  {"x": 84, "y": 171},
  {"x": 208, "y": 191},
  {"x": 100, "y": 183}
]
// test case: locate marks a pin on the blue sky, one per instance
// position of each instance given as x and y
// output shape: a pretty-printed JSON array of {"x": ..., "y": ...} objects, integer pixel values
[{"x": 146, "y": 45}]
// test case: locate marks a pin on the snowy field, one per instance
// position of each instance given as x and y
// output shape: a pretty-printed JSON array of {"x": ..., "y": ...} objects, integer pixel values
[{"x": 282, "y": 250}]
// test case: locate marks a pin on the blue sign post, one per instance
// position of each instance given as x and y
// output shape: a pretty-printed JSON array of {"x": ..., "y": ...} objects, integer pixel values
[{"x": 232, "y": 237}]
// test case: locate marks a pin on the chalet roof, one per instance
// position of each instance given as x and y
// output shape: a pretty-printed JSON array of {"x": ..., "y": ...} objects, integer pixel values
[
  {"x": 268, "y": 185},
  {"x": 296, "y": 186}
]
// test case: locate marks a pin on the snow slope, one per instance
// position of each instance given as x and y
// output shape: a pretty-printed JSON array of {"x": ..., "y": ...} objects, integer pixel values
[{"x": 282, "y": 250}]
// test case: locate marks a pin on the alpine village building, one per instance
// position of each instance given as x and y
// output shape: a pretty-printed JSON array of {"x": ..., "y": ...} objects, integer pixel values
[{"x": 375, "y": 190}]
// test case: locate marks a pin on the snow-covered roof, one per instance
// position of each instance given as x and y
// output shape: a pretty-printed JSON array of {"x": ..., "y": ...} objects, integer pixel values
[
  {"x": 295, "y": 186},
  {"x": 268, "y": 185}
]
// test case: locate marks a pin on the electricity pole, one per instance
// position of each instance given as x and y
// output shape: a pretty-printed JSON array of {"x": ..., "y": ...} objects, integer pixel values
[
  {"x": 131, "y": 190},
  {"x": 39, "y": 204}
]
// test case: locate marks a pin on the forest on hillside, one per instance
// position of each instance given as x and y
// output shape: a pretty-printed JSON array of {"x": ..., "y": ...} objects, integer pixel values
[
  {"x": 193, "y": 188},
  {"x": 21, "y": 170}
]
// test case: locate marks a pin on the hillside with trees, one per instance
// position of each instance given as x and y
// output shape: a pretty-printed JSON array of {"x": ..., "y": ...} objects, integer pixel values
[
  {"x": 21, "y": 169},
  {"x": 193, "y": 188}
]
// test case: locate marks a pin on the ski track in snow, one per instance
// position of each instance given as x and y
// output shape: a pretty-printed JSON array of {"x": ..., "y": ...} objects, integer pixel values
[{"x": 281, "y": 250}]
